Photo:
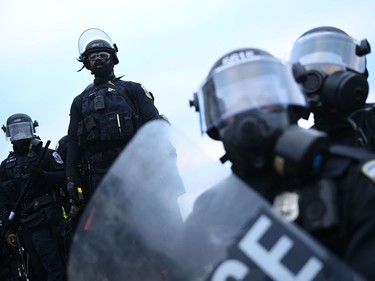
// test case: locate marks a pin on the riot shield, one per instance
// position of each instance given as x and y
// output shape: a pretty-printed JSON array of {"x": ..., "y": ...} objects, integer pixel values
[{"x": 167, "y": 211}]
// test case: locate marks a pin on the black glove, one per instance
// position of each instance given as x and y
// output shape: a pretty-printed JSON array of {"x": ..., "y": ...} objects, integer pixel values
[{"x": 75, "y": 192}]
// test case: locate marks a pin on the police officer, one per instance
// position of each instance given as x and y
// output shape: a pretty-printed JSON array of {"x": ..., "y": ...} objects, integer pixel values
[
  {"x": 331, "y": 68},
  {"x": 38, "y": 214},
  {"x": 250, "y": 102},
  {"x": 104, "y": 117},
  {"x": 61, "y": 147}
]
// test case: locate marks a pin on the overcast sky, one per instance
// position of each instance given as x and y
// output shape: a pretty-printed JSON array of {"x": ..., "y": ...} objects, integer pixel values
[{"x": 168, "y": 46}]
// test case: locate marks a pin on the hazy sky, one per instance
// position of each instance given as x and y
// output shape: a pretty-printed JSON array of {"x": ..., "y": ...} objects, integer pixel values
[{"x": 168, "y": 46}]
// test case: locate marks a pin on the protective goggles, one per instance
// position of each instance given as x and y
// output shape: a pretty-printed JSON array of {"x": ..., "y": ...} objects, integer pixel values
[{"x": 101, "y": 55}]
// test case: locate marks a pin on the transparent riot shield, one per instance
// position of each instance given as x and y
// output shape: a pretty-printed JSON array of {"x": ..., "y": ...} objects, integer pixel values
[{"x": 167, "y": 211}]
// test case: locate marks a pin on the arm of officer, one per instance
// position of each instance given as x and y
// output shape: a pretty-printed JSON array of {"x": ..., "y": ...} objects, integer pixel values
[
  {"x": 56, "y": 175},
  {"x": 145, "y": 102},
  {"x": 73, "y": 156},
  {"x": 360, "y": 210}
]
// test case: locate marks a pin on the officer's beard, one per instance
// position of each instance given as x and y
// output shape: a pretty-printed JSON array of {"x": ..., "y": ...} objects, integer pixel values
[
  {"x": 21, "y": 147},
  {"x": 103, "y": 71}
]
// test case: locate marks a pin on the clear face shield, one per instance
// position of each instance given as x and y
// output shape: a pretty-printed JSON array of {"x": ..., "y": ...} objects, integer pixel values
[
  {"x": 91, "y": 35},
  {"x": 257, "y": 84},
  {"x": 328, "y": 52},
  {"x": 20, "y": 131}
]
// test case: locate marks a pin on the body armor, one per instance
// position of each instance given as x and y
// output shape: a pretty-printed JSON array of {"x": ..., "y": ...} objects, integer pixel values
[{"x": 108, "y": 116}]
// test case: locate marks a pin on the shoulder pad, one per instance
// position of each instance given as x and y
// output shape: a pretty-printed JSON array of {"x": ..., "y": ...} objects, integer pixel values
[
  {"x": 89, "y": 87},
  {"x": 368, "y": 169},
  {"x": 147, "y": 93},
  {"x": 120, "y": 82},
  {"x": 134, "y": 85},
  {"x": 57, "y": 157}
]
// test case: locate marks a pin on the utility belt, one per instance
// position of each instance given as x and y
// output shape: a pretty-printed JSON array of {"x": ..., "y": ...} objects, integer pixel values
[
  {"x": 38, "y": 203},
  {"x": 103, "y": 159},
  {"x": 38, "y": 212}
]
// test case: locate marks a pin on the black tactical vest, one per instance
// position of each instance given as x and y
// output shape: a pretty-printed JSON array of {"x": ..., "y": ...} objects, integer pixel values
[
  {"x": 108, "y": 116},
  {"x": 16, "y": 169}
]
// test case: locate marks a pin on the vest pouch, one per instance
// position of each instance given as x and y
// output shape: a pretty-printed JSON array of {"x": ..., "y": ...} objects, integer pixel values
[
  {"x": 50, "y": 215},
  {"x": 92, "y": 129},
  {"x": 37, "y": 213},
  {"x": 127, "y": 124},
  {"x": 120, "y": 126},
  {"x": 137, "y": 122},
  {"x": 81, "y": 133}
]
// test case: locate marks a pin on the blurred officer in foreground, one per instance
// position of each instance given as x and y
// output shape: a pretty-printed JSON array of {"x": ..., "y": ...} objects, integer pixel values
[
  {"x": 104, "y": 117},
  {"x": 29, "y": 179},
  {"x": 251, "y": 103},
  {"x": 331, "y": 68}
]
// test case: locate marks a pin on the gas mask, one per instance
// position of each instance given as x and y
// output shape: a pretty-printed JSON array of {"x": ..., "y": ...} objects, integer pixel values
[
  {"x": 273, "y": 140},
  {"x": 21, "y": 147},
  {"x": 342, "y": 91},
  {"x": 330, "y": 67},
  {"x": 250, "y": 138},
  {"x": 300, "y": 153}
]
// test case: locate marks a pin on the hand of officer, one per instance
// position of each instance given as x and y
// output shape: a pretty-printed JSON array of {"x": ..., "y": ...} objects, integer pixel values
[
  {"x": 74, "y": 210},
  {"x": 75, "y": 192}
]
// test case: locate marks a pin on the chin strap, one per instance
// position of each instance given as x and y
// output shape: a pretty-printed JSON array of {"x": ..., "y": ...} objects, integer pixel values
[
  {"x": 81, "y": 68},
  {"x": 224, "y": 158}
]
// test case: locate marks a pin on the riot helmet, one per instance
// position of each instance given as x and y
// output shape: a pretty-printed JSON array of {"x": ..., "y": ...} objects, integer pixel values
[
  {"x": 331, "y": 69},
  {"x": 19, "y": 127},
  {"x": 95, "y": 40},
  {"x": 247, "y": 101},
  {"x": 242, "y": 80},
  {"x": 20, "y": 130}
]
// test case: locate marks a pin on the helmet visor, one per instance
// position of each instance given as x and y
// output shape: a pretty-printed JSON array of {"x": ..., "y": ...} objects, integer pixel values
[
  {"x": 327, "y": 48},
  {"x": 256, "y": 84},
  {"x": 91, "y": 35},
  {"x": 20, "y": 131}
]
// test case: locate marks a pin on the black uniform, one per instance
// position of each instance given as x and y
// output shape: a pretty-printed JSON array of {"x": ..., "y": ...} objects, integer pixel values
[
  {"x": 335, "y": 85},
  {"x": 40, "y": 218},
  {"x": 336, "y": 207},
  {"x": 332, "y": 200},
  {"x": 356, "y": 129},
  {"x": 102, "y": 120}
]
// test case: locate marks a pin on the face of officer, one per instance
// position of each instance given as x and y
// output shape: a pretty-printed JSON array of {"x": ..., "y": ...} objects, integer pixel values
[
  {"x": 97, "y": 52},
  {"x": 249, "y": 138},
  {"x": 100, "y": 63},
  {"x": 335, "y": 77},
  {"x": 246, "y": 98},
  {"x": 21, "y": 147}
]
